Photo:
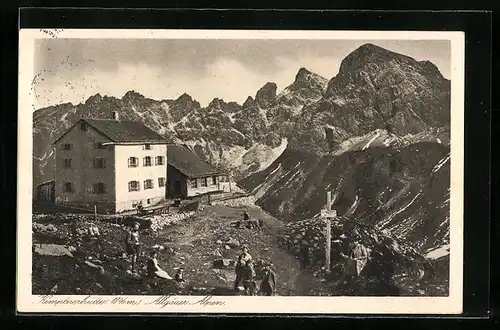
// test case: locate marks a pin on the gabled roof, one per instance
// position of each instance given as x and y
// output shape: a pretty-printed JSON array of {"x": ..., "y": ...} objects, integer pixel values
[
  {"x": 122, "y": 130},
  {"x": 188, "y": 163}
]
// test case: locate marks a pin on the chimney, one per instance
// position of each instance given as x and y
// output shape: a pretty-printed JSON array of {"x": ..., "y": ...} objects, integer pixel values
[{"x": 115, "y": 115}]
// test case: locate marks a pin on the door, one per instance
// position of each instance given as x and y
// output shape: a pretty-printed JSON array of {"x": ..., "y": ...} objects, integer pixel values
[{"x": 177, "y": 188}]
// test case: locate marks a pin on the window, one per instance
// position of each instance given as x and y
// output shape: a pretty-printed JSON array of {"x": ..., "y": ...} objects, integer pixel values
[
  {"x": 147, "y": 147},
  {"x": 134, "y": 186},
  {"x": 147, "y": 161},
  {"x": 133, "y": 162},
  {"x": 161, "y": 182},
  {"x": 68, "y": 187},
  {"x": 148, "y": 184},
  {"x": 160, "y": 160},
  {"x": 193, "y": 183},
  {"x": 148, "y": 201},
  {"x": 98, "y": 145},
  {"x": 99, "y": 188},
  {"x": 99, "y": 163},
  {"x": 214, "y": 181},
  {"x": 66, "y": 146},
  {"x": 67, "y": 163},
  {"x": 204, "y": 182},
  {"x": 83, "y": 126}
]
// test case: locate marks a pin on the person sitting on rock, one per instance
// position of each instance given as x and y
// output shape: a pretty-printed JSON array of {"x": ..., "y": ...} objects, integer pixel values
[
  {"x": 246, "y": 216},
  {"x": 154, "y": 269},
  {"x": 132, "y": 244},
  {"x": 268, "y": 283}
]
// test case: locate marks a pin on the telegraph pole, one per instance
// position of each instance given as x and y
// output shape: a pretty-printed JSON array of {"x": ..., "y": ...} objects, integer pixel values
[{"x": 327, "y": 214}]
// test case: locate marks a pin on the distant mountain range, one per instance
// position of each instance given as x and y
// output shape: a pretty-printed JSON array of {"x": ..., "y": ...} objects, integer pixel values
[{"x": 377, "y": 134}]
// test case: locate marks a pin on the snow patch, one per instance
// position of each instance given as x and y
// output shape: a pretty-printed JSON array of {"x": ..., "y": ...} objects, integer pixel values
[
  {"x": 377, "y": 135},
  {"x": 441, "y": 163},
  {"x": 274, "y": 171},
  {"x": 262, "y": 155},
  {"x": 438, "y": 252}
]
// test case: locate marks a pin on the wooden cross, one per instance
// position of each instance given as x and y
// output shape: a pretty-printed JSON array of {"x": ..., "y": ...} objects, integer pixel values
[{"x": 328, "y": 214}]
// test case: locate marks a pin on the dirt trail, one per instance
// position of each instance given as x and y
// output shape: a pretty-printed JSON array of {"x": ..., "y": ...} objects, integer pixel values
[{"x": 196, "y": 242}]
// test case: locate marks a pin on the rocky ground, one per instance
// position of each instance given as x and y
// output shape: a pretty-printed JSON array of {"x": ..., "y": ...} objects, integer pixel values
[
  {"x": 65, "y": 262},
  {"x": 205, "y": 244}
]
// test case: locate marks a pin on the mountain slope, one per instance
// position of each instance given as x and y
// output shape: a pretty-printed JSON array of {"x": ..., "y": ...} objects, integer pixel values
[{"x": 404, "y": 191}]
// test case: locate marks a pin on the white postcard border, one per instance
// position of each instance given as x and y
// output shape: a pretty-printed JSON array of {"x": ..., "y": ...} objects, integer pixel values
[{"x": 26, "y": 302}]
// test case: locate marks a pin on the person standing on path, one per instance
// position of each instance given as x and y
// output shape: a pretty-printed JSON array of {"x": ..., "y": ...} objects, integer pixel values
[
  {"x": 241, "y": 262},
  {"x": 268, "y": 283},
  {"x": 132, "y": 245},
  {"x": 359, "y": 254},
  {"x": 304, "y": 255}
]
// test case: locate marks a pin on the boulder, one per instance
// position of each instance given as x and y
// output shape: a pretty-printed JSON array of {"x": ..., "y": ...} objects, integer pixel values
[
  {"x": 223, "y": 263},
  {"x": 54, "y": 250},
  {"x": 96, "y": 267},
  {"x": 233, "y": 242}
]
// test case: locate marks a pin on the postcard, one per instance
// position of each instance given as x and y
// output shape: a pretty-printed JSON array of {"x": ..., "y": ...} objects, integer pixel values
[{"x": 238, "y": 171}]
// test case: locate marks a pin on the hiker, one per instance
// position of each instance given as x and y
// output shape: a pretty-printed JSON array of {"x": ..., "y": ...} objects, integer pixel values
[
  {"x": 245, "y": 255},
  {"x": 140, "y": 209},
  {"x": 359, "y": 254},
  {"x": 268, "y": 283},
  {"x": 311, "y": 260},
  {"x": 383, "y": 260},
  {"x": 93, "y": 230},
  {"x": 241, "y": 263},
  {"x": 248, "y": 275},
  {"x": 132, "y": 244},
  {"x": 179, "y": 277},
  {"x": 246, "y": 216},
  {"x": 154, "y": 269},
  {"x": 304, "y": 255}
]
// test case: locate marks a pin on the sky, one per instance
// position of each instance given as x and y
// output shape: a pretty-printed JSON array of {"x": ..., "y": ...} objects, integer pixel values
[{"x": 72, "y": 70}]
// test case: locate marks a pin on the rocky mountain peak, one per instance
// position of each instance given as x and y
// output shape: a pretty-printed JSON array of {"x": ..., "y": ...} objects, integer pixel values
[
  {"x": 431, "y": 68},
  {"x": 370, "y": 53},
  {"x": 94, "y": 99},
  {"x": 307, "y": 79},
  {"x": 302, "y": 74},
  {"x": 185, "y": 100},
  {"x": 217, "y": 103},
  {"x": 132, "y": 95},
  {"x": 249, "y": 102},
  {"x": 185, "y": 97},
  {"x": 266, "y": 95}
]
